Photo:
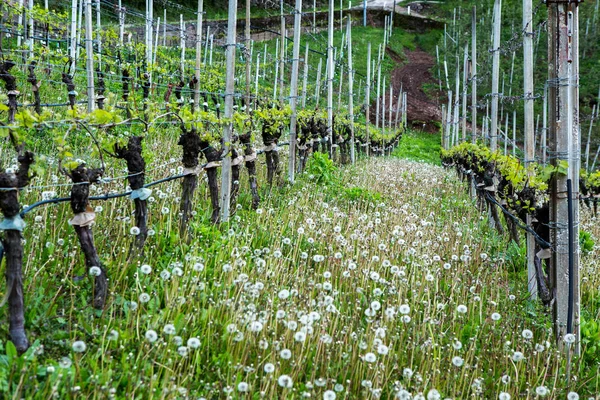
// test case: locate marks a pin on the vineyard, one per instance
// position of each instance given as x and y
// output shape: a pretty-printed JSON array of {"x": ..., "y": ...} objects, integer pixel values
[{"x": 227, "y": 208}]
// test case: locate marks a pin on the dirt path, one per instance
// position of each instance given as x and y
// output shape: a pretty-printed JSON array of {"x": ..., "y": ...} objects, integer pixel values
[{"x": 411, "y": 75}]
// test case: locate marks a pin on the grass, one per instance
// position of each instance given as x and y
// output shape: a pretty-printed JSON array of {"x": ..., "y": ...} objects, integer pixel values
[{"x": 419, "y": 146}]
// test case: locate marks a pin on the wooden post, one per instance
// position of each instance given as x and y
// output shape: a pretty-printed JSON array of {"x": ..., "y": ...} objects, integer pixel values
[
  {"x": 529, "y": 133},
  {"x": 448, "y": 122},
  {"x": 89, "y": 51},
  {"x": 305, "y": 77},
  {"x": 464, "y": 96},
  {"x": 563, "y": 95},
  {"x": 294, "y": 89},
  {"x": 368, "y": 94},
  {"x": 495, "y": 75},
  {"x": 182, "y": 44},
  {"x": 73, "y": 35},
  {"x": 545, "y": 126},
  {"x": 330, "y": 78},
  {"x": 318, "y": 85},
  {"x": 199, "y": 53},
  {"x": 281, "y": 54},
  {"x": 587, "y": 146},
  {"x": 474, "y": 75},
  {"x": 377, "y": 107},
  {"x": 229, "y": 93},
  {"x": 350, "y": 89}
]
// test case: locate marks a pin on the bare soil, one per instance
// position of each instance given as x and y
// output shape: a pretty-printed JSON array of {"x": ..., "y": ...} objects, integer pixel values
[{"x": 411, "y": 74}]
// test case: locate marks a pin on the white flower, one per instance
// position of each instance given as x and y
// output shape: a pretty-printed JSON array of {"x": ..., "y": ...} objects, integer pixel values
[
  {"x": 134, "y": 230},
  {"x": 65, "y": 363},
  {"x": 283, "y": 294},
  {"x": 269, "y": 368},
  {"x": 151, "y": 336},
  {"x": 286, "y": 354},
  {"x": 407, "y": 373},
  {"x": 376, "y": 305},
  {"x": 458, "y": 361},
  {"x": 165, "y": 210},
  {"x": 462, "y": 309},
  {"x": 404, "y": 309},
  {"x": 193, "y": 343},
  {"x": 370, "y": 357},
  {"x": 496, "y": 316},
  {"x": 165, "y": 275},
  {"x": 518, "y": 356},
  {"x": 300, "y": 336},
  {"x": 146, "y": 269},
  {"x": 382, "y": 349},
  {"x": 403, "y": 394},
  {"x": 169, "y": 329},
  {"x": 503, "y": 396},
  {"x": 242, "y": 387},
  {"x": 433, "y": 394},
  {"x": 542, "y": 391},
  {"x": 95, "y": 271},
  {"x": 527, "y": 334},
  {"x": 572, "y": 396},
  {"x": 569, "y": 338},
  {"x": 329, "y": 395},
  {"x": 183, "y": 351},
  {"x": 198, "y": 267},
  {"x": 79, "y": 346},
  {"x": 256, "y": 326},
  {"x": 144, "y": 298},
  {"x": 285, "y": 381}
]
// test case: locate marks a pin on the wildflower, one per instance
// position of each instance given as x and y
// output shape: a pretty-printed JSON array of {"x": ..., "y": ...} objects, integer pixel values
[
  {"x": 242, "y": 387},
  {"x": 382, "y": 349},
  {"x": 457, "y": 345},
  {"x": 198, "y": 267},
  {"x": 462, "y": 309},
  {"x": 329, "y": 395},
  {"x": 458, "y": 361},
  {"x": 151, "y": 336},
  {"x": 527, "y": 334},
  {"x": 447, "y": 266},
  {"x": 370, "y": 357},
  {"x": 95, "y": 271},
  {"x": 375, "y": 305},
  {"x": 269, "y": 368},
  {"x": 177, "y": 271},
  {"x": 496, "y": 316},
  {"x": 165, "y": 210},
  {"x": 113, "y": 335},
  {"x": 183, "y": 351},
  {"x": 144, "y": 298},
  {"x": 542, "y": 391},
  {"x": 285, "y": 381},
  {"x": 169, "y": 329},
  {"x": 407, "y": 373},
  {"x": 193, "y": 343},
  {"x": 433, "y": 394},
  {"x": 300, "y": 336},
  {"x": 286, "y": 354},
  {"x": 65, "y": 363},
  {"x": 146, "y": 269},
  {"x": 404, "y": 309},
  {"x": 79, "y": 346},
  {"x": 256, "y": 326},
  {"x": 518, "y": 356},
  {"x": 165, "y": 275},
  {"x": 572, "y": 396},
  {"x": 338, "y": 387},
  {"x": 134, "y": 231},
  {"x": 503, "y": 396},
  {"x": 403, "y": 394},
  {"x": 283, "y": 294},
  {"x": 569, "y": 338},
  {"x": 133, "y": 305}
]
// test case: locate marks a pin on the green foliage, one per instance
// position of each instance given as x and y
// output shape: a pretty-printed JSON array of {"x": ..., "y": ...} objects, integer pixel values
[
  {"x": 590, "y": 340},
  {"x": 361, "y": 194},
  {"x": 586, "y": 242},
  {"x": 419, "y": 146},
  {"x": 322, "y": 169}
]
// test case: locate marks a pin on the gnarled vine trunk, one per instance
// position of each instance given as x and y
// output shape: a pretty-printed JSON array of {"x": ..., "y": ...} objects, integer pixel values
[
  {"x": 250, "y": 162},
  {"x": 13, "y": 247},
  {"x": 190, "y": 142},
  {"x": 136, "y": 169},
  {"x": 82, "y": 221},
  {"x": 213, "y": 157}
]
